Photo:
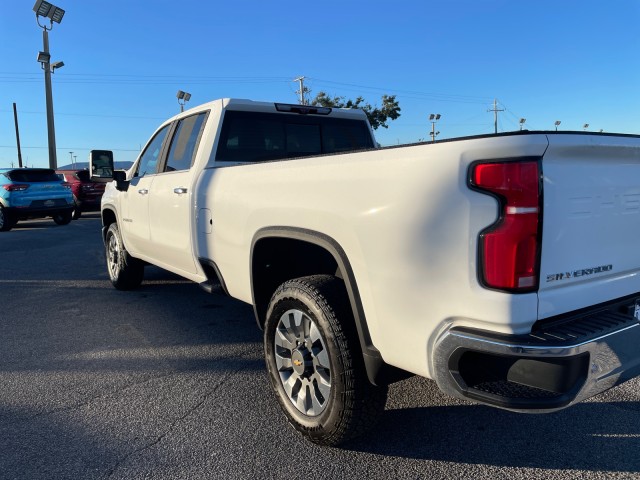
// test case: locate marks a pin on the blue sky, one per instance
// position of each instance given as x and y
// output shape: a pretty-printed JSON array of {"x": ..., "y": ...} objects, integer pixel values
[{"x": 577, "y": 61}]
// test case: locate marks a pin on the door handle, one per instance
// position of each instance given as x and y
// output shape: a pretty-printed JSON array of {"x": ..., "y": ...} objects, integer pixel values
[
  {"x": 179, "y": 190},
  {"x": 143, "y": 191}
]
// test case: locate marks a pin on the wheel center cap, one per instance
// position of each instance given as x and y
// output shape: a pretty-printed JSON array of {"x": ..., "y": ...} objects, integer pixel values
[{"x": 298, "y": 361}]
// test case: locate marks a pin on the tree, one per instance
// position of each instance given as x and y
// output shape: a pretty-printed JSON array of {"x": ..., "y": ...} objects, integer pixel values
[{"x": 390, "y": 109}]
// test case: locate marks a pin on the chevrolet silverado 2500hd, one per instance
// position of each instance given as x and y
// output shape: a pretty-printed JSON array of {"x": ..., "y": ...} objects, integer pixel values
[{"x": 504, "y": 267}]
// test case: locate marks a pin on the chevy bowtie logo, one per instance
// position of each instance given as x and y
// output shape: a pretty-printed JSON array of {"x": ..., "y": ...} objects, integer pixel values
[{"x": 297, "y": 363}]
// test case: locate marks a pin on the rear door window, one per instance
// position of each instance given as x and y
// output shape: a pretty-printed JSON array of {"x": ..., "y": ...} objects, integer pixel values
[{"x": 185, "y": 143}]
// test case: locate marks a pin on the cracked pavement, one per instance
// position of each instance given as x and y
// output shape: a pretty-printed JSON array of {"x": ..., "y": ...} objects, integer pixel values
[{"x": 169, "y": 382}]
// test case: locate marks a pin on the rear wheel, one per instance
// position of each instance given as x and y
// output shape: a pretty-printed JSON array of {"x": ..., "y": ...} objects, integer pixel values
[
  {"x": 125, "y": 272},
  {"x": 62, "y": 217},
  {"x": 315, "y": 362},
  {"x": 6, "y": 220}
]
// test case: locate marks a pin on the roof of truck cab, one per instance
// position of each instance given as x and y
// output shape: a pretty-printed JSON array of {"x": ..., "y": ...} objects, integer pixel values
[{"x": 267, "y": 107}]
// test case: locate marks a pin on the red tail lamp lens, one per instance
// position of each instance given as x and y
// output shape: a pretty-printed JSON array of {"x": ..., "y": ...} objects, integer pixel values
[
  {"x": 15, "y": 187},
  {"x": 509, "y": 248}
]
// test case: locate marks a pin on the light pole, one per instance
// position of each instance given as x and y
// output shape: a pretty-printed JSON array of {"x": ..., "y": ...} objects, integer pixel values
[
  {"x": 433, "y": 118},
  {"x": 585, "y": 126},
  {"x": 71, "y": 158},
  {"x": 184, "y": 96},
  {"x": 558, "y": 122},
  {"x": 54, "y": 14},
  {"x": 522, "y": 122}
]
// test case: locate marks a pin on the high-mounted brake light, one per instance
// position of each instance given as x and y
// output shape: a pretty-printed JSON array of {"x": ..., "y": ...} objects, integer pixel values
[
  {"x": 509, "y": 249},
  {"x": 302, "y": 109},
  {"x": 15, "y": 187}
]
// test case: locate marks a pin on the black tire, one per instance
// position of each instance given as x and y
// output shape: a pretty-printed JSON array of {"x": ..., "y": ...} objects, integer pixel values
[
  {"x": 350, "y": 405},
  {"x": 125, "y": 272},
  {"x": 63, "y": 217},
  {"x": 6, "y": 220},
  {"x": 76, "y": 209}
]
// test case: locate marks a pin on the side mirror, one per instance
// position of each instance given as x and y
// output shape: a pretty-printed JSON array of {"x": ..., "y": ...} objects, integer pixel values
[
  {"x": 101, "y": 165},
  {"x": 120, "y": 177}
]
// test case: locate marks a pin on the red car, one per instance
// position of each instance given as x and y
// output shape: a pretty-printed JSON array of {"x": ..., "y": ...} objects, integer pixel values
[{"x": 86, "y": 194}]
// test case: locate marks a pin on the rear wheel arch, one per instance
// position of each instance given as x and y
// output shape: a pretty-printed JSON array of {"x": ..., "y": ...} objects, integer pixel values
[
  {"x": 279, "y": 254},
  {"x": 273, "y": 252}
]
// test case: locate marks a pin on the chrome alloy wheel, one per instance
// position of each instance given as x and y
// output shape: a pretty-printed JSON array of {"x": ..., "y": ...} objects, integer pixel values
[
  {"x": 113, "y": 256},
  {"x": 303, "y": 362}
]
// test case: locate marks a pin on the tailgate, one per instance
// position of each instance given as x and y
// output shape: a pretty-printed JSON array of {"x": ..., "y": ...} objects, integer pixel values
[
  {"x": 43, "y": 194},
  {"x": 591, "y": 221}
]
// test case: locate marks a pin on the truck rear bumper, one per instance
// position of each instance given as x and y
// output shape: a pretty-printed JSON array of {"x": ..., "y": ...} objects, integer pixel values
[{"x": 560, "y": 363}]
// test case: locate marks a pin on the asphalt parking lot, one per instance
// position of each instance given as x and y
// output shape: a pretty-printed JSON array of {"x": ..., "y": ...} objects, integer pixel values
[{"x": 169, "y": 382}]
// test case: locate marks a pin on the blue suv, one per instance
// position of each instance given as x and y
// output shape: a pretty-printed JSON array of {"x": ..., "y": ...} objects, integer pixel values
[{"x": 33, "y": 193}]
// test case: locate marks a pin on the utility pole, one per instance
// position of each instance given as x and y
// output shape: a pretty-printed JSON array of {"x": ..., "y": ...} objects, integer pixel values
[
  {"x": 302, "y": 91},
  {"x": 15, "y": 119},
  {"x": 71, "y": 158},
  {"x": 495, "y": 111}
]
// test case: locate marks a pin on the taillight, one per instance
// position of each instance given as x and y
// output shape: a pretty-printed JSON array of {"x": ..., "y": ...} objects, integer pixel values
[
  {"x": 510, "y": 248},
  {"x": 15, "y": 187}
]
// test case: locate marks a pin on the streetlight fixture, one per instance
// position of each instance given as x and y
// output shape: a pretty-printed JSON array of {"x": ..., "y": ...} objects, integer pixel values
[
  {"x": 558, "y": 122},
  {"x": 522, "y": 122},
  {"x": 184, "y": 96},
  {"x": 433, "y": 118},
  {"x": 585, "y": 126},
  {"x": 46, "y": 10}
]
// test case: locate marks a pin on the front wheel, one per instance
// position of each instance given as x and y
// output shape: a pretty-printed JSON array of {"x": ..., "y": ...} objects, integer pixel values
[
  {"x": 63, "y": 217},
  {"x": 125, "y": 272},
  {"x": 315, "y": 363}
]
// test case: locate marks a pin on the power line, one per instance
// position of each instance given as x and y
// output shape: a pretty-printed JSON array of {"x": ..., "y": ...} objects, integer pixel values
[
  {"x": 69, "y": 148},
  {"x": 89, "y": 115},
  {"x": 412, "y": 93},
  {"x": 124, "y": 79}
]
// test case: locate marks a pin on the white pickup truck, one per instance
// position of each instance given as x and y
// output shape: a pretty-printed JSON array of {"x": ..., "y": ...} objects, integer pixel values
[{"x": 504, "y": 267}]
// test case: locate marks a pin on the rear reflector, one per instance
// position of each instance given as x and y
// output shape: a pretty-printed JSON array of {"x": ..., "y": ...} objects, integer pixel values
[{"x": 509, "y": 249}]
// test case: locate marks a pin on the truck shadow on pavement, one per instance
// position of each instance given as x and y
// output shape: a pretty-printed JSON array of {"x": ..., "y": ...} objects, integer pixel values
[{"x": 589, "y": 436}]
